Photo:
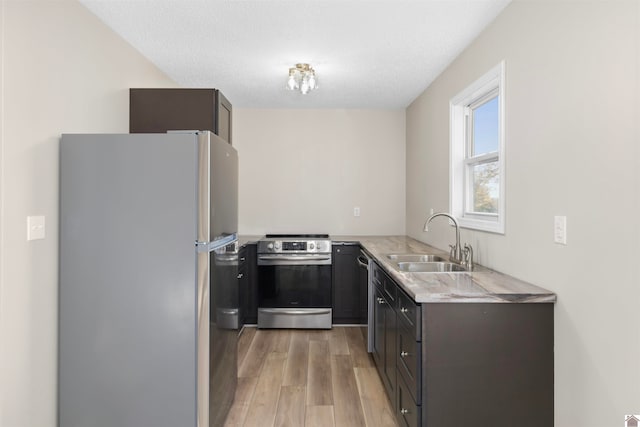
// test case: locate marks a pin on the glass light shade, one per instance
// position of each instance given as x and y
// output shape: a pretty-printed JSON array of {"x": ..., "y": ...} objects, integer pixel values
[
  {"x": 313, "y": 83},
  {"x": 292, "y": 83},
  {"x": 304, "y": 86},
  {"x": 302, "y": 77}
]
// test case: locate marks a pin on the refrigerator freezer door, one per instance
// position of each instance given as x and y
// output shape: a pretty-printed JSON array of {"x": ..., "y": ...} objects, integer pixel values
[
  {"x": 217, "y": 191},
  {"x": 224, "y": 188}
]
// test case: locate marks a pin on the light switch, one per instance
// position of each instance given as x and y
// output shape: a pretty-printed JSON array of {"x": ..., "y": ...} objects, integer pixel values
[
  {"x": 560, "y": 230},
  {"x": 35, "y": 227},
  {"x": 356, "y": 211}
]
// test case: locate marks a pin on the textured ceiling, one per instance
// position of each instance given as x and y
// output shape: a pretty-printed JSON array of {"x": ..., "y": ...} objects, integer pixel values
[{"x": 366, "y": 53}]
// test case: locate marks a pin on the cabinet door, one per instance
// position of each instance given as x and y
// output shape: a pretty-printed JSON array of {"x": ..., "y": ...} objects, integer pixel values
[
  {"x": 346, "y": 284},
  {"x": 363, "y": 279},
  {"x": 384, "y": 341},
  {"x": 390, "y": 348},
  {"x": 243, "y": 284},
  {"x": 250, "y": 299},
  {"x": 160, "y": 110},
  {"x": 408, "y": 413},
  {"x": 223, "y": 117},
  {"x": 378, "y": 328},
  {"x": 409, "y": 358}
]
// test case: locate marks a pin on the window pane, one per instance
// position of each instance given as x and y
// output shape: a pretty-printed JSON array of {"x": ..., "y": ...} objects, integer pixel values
[
  {"x": 486, "y": 187},
  {"x": 485, "y": 128}
]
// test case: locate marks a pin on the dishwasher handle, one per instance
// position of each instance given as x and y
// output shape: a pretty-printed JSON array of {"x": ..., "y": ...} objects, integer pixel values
[{"x": 363, "y": 261}]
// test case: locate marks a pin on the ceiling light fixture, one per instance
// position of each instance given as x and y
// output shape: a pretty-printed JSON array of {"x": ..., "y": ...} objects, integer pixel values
[{"x": 303, "y": 78}]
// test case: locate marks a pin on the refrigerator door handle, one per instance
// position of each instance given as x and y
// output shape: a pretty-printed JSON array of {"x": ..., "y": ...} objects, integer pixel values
[{"x": 216, "y": 244}]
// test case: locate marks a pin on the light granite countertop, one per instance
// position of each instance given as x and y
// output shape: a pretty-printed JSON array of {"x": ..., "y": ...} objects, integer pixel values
[{"x": 481, "y": 285}]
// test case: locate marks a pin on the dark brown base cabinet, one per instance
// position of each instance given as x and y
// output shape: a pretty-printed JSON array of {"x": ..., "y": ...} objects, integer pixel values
[
  {"x": 385, "y": 330},
  {"x": 248, "y": 282},
  {"x": 160, "y": 110},
  {"x": 349, "y": 297},
  {"x": 483, "y": 364}
]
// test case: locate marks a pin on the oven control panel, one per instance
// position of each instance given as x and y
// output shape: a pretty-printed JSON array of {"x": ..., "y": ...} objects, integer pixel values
[{"x": 294, "y": 246}]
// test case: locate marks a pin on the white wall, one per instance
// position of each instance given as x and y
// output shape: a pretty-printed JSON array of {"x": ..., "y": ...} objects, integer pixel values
[
  {"x": 572, "y": 89},
  {"x": 64, "y": 71},
  {"x": 305, "y": 170}
]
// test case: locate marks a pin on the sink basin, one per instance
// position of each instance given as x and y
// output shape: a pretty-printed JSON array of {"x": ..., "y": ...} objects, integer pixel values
[
  {"x": 415, "y": 258},
  {"x": 429, "y": 267}
]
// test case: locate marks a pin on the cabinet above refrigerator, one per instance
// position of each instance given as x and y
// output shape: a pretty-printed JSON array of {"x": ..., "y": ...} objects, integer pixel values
[{"x": 165, "y": 109}]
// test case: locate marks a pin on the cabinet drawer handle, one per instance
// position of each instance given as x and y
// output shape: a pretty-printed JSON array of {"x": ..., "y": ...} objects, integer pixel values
[
  {"x": 404, "y": 310},
  {"x": 404, "y": 411},
  {"x": 240, "y": 276},
  {"x": 242, "y": 259},
  {"x": 403, "y": 354},
  {"x": 380, "y": 301}
]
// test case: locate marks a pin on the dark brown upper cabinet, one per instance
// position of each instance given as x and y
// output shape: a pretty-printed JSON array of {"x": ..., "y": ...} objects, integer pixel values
[{"x": 161, "y": 110}]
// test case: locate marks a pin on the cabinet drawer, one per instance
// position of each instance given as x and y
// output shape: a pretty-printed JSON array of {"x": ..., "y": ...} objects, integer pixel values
[
  {"x": 408, "y": 413},
  {"x": 390, "y": 289},
  {"x": 381, "y": 279},
  {"x": 409, "y": 360},
  {"x": 378, "y": 275},
  {"x": 409, "y": 313}
]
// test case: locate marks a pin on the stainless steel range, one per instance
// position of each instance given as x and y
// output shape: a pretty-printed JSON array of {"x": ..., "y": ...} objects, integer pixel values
[{"x": 294, "y": 281}]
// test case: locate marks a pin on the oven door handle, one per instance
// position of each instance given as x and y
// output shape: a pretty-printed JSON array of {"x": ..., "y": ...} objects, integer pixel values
[
  {"x": 293, "y": 311},
  {"x": 293, "y": 258}
]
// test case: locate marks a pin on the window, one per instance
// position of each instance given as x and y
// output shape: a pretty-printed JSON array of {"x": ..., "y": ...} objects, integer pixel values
[{"x": 477, "y": 153}]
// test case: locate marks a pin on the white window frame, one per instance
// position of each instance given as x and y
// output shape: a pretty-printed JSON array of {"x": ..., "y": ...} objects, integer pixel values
[{"x": 488, "y": 84}]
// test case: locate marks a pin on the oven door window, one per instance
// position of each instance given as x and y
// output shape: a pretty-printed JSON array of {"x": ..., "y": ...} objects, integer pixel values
[{"x": 291, "y": 286}]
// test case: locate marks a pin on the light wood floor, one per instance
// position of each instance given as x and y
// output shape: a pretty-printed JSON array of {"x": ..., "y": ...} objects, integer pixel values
[{"x": 308, "y": 378}]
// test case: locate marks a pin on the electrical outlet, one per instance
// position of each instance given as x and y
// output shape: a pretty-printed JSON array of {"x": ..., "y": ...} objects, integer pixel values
[
  {"x": 35, "y": 227},
  {"x": 356, "y": 211},
  {"x": 560, "y": 230},
  {"x": 431, "y": 211}
]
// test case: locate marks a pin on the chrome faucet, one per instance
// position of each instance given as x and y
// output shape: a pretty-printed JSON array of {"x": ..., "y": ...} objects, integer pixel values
[{"x": 455, "y": 252}]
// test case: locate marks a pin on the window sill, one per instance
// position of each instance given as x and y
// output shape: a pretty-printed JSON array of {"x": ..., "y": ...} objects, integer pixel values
[{"x": 481, "y": 225}]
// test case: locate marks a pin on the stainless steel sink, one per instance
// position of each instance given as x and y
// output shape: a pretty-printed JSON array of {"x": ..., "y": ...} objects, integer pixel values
[
  {"x": 415, "y": 258},
  {"x": 430, "y": 267}
]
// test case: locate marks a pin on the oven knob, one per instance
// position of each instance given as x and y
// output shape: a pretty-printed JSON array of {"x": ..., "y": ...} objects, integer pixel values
[
  {"x": 277, "y": 245},
  {"x": 270, "y": 246},
  {"x": 311, "y": 245},
  {"x": 319, "y": 246}
]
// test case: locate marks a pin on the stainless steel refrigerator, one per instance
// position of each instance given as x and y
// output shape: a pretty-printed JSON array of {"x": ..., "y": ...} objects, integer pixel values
[{"x": 148, "y": 305}]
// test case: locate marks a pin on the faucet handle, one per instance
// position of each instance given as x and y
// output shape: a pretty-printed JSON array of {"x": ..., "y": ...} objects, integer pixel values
[
  {"x": 452, "y": 252},
  {"x": 468, "y": 256}
]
